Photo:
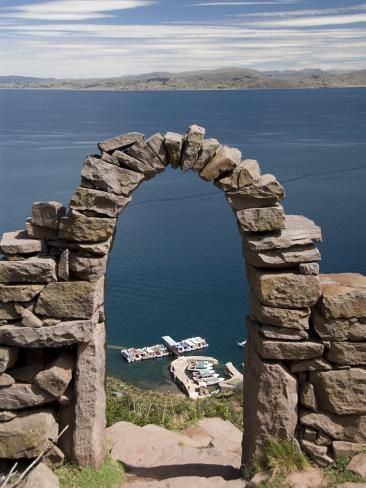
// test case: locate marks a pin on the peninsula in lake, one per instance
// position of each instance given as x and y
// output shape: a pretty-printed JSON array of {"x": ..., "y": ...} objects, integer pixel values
[{"x": 225, "y": 78}]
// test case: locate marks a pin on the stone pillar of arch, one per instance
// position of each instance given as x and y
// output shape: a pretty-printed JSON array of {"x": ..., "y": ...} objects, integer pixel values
[{"x": 306, "y": 353}]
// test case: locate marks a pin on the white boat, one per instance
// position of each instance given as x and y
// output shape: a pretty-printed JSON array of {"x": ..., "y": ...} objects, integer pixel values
[
  {"x": 206, "y": 375},
  {"x": 213, "y": 381},
  {"x": 241, "y": 343}
]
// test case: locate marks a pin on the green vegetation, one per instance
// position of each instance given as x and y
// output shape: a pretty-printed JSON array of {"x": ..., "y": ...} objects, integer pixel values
[
  {"x": 175, "y": 412},
  {"x": 279, "y": 458},
  {"x": 338, "y": 473},
  {"x": 110, "y": 475}
]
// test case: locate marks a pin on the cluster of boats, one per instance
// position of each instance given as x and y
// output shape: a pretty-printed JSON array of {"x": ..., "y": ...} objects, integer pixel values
[
  {"x": 149, "y": 352},
  {"x": 169, "y": 346},
  {"x": 203, "y": 373}
]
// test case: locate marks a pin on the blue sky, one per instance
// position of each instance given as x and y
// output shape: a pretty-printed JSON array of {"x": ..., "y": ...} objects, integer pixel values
[{"x": 101, "y": 38}]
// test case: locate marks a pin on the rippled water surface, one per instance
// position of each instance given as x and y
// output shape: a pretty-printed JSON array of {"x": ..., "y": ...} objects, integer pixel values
[{"x": 176, "y": 266}]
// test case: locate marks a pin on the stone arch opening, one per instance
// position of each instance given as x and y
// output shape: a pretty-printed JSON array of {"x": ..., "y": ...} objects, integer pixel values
[{"x": 303, "y": 329}]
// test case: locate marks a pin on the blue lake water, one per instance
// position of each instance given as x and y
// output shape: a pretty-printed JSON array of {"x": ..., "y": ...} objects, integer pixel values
[{"x": 176, "y": 267}]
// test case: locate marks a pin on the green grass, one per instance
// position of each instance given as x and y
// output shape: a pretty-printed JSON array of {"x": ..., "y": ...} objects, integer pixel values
[
  {"x": 171, "y": 411},
  {"x": 110, "y": 475},
  {"x": 279, "y": 458},
  {"x": 338, "y": 473}
]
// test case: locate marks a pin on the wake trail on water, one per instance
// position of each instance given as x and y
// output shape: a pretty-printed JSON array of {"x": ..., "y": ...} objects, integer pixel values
[{"x": 207, "y": 194}]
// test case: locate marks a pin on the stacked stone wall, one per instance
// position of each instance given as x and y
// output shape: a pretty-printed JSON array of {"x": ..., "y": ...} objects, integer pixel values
[{"x": 306, "y": 353}]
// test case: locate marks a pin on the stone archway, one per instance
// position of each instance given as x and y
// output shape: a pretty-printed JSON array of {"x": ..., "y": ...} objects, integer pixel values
[{"x": 306, "y": 350}]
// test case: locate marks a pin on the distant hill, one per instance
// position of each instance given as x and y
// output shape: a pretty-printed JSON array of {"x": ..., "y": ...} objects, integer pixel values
[{"x": 224, "y": 78}]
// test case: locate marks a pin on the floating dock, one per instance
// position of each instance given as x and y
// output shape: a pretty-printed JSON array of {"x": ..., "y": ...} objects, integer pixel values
[{"x": 169, "y": 347}]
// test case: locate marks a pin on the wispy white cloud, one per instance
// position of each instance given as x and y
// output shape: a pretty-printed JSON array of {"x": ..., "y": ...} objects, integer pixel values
[
  {"x": 231, "y": 4},
  {"x": 72, "y": 9},
  {"x": 307, "y": 12},
  {"x": 313, "y": 21}
]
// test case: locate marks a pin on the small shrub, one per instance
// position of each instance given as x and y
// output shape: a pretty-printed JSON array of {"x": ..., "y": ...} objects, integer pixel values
[
  {"x": 338, "y": 473},
  {"x": 283, "y": 457},
  {"x": 110, "y": 475}
]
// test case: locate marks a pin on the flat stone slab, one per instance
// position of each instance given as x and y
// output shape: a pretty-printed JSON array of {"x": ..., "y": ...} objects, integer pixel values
[
  {"x": 347, "y": 353},
  {"x": 141, "y": 151},
  {"x": 344, "y": 295},
  {"x": 62, "y": 334},
  {"x": 208, "y": 151},
  {"x": 98, "y": 201},
  {"x": 47, "y": 214},
  {"x": 110, "y": 178},
  {"x": 18, "y": 243},
  {"x": 81, "y": 228},
  {"x": 173, "y": 143},
  {"x": 156, "y": 144},
  {"x": 192, "y": 146},
  {"x": 71, "y": 300},
  {"x": 224, "y": 160},
  {"x": 157, "y": 453},
  {"x": 339, "y": 330},
  {"x": 27, "y": 435},
  {"x": 281, "y": 258},
  {"x": 36, "y": 270},
  {"x": 22, "y": 395},
  {"x": 284, "y": 289},
  {"x": 189, "y": 482},
  {"x": 265, "y": 192},
  {"x": 120, "y": 142},
  {"x": 244, "y": 174},
  {"x": 342, "y": 392},
  {"x": 41, "y": 476},
  {"x": 261, "y": 219},
  {"x": 351, "y": 428},
  {"x": 298, "y": 231}
]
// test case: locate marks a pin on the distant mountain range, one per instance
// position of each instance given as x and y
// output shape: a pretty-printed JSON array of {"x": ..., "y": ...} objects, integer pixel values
[{"x": 225, "y": 78}]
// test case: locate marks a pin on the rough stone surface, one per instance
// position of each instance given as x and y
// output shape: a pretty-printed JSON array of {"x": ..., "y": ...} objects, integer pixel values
[
  {"x": 347, "y": 353},
  {"x": 156, "y": 144},
  {"x": 8, "y": 311},
  {"x": 79, "y": 227},
  {"x": 282, "y": 350},
  {"x": 358, "y": 464},
  {"x": 208, "y": 151},
  {"x": 284, "y": 333},
  {"x": 308, "y": 397},
  {"x": 173, "y": 143},
  {"x": 74, "y": 299},
  {"x": 19, "y": 293},
  {"x": 47, "y": 214},
  {"x": 129, "y": 162},
  {"x": 265, "y": 192},
  {"x": 95, "y": 248},
  {"x": 298, "y": 231},
  {"x": 343, "y": 449},
  {"x": 245, "y": 173},
  {"x": 141, "y": 151},
  {"x": 261, "y": 219},
  {"x": 6, "y": 416},
  {"x": 8, "y": 357},
  {"x": 56, "y": 378},
  {"x": 27, "y": 434},
  {"x": 38, "y": 270},
  {"x": 18, "y": 243},
  {"x": 54, "y": 458},
  {"x": 339, "y": 330},
  {"x": 281, "y": 317},
  {"x": 342, "y": 392},
  {"x": 282, "y": 258},
  {"x": 63, "y": 267},
  {"x": 110, "y": 178},
  {"x": 41, "y": 476},
  {"x": 224, "y": 160},
  {"x": 89, "y": 269},
  {"x": 310, "y": 478},
  {"x": 62, "y": 334},
  {"x": 89, "y": 432},
  {"x": 36, "y": 232},
  {"x": 311, "y": 365},
  {"x": 350, "y": 428},
  {"x": 120, "y": 142},
  {"x": 317, "y": 453},
  {"x": 98, "y": 201},
  {"x": 192, "y": 146},
  {"x": 270, "y": 404},
  {"x": 309, "y": 268},
  {"x": 280, "y": 289},
  {"x": 28, "y": 319},
  {"x": 6, "y": 380},
  {"x": 344, "y": 295},
  {"x": 108, "y": 158},
  {"x": 26, "y": 374},
  {"x": 22, "y": 395}
]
